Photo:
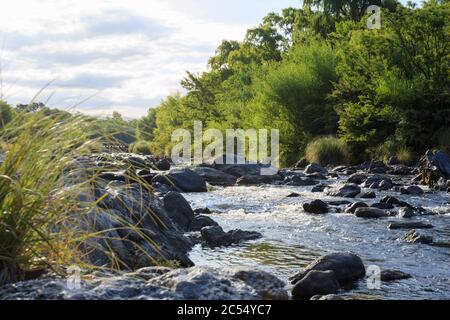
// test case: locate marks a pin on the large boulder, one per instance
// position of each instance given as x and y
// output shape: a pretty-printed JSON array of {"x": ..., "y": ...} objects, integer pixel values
[
  {"x": 250, "y": 180},
  {"x": 346, "y": 191},
  {"x": 178, "y": 210},
  {"x": 409, "y": 225},
  {"x": 347, "y": 267},
  {"x": 315, "y": 283},
  {"x": 183, "y": 180},
  {"x": 156, "y": 283},
  {"x": 393, "y": 275},
  {"x": 436, "y": 165},
  {"x": 215, "y": 177}
]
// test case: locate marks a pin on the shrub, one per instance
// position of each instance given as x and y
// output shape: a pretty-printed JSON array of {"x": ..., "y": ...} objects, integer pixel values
[
  {"x": 141, "y": 147},
  {"x": 327, "y": 151},
  {"x": 406, "y": 156},
  {"x": 6, "y": 114}
]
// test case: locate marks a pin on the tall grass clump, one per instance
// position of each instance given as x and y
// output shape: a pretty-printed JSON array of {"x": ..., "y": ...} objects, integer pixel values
[
  {"x": 36, "y": 147},
  {"x": 327, "y": 151},
  {"x": 141, "y": 147}
]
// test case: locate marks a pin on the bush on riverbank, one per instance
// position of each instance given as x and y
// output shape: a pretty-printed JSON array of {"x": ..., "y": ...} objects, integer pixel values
[
  {"x": 327, "y": 151},
  {"x": 141, "y": 147}
]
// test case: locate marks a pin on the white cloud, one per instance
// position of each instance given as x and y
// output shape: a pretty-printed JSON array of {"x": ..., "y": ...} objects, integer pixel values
[{"x": 129, "y": 54}]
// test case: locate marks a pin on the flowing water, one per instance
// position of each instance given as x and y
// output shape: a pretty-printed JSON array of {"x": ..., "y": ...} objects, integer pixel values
[{"x": 292, "y": 238}]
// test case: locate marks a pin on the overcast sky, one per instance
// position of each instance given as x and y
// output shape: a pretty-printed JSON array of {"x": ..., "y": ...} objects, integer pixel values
[{"x": 125, "y": 55}]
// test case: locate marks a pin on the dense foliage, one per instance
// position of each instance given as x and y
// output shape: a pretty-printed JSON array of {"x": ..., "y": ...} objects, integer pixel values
[{"x": 320, "y": 71}]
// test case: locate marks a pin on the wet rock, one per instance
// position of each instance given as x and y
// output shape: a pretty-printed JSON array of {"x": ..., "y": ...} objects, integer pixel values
[
  {"x": 315, "y": 168},
  {"x": 199, "y": 222},
  {"x": 376, "y": 166},
  {"x": 293, "y": 195},
  {"x": 301, "y": 164},
  {"x": 299, "y": 181},
  {"x": 316, "y": 176},
  {"x": 368, "y": 195},
  {"x": 370, "y": 213},
  {"x": 441, "y": 244},
  {"x": 413, "y": 236},
  {"x": 215, "y": 177},
  {"x": 315, "y": 283},
  {"x": 339, "y": 203},
  {"x": 184, "y": 180},
  {"x": 400, "y": 170},
  {"x": 202, "y": 211},
  {"x": 412, "y": 190},
  {"x": 378, "y": 182},
  {"x": 197, "y": 283},
  {"x": 382, "y": 206},
  {"x": 179, "y": 210},
  {"x": 316, "y": 206},
  {"x": 409, "y": 225},
  {"x": 319, "y": 188},
  {"x": 347, "y": 267},
  {"x": 216, "y": 237},
  {"x": 162, "y": 164},
  {"x": 346, "y": 191},
  {"x": 357, "y": 178},
  {"x": 393, "y": 275},
  {"x": 250, "y": 180},
  {"x": 266, "y": 285},
  {"x": 406, "y": 213},
  {"x": 352, "y": 208},
  {"x": 113, "y": 176}
]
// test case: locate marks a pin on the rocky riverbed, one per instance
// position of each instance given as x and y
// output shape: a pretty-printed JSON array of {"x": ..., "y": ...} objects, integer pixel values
[{"x": 258, "y": 237}]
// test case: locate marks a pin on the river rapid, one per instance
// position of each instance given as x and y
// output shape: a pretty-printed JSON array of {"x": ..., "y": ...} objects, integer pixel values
[{"x": 292, "y": 238}]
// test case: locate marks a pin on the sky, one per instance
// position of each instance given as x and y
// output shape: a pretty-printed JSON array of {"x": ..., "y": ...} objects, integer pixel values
[{"x": 101, "y": 56}]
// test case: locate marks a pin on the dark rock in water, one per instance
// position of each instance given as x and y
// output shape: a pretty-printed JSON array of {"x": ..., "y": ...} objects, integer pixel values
[
  {"x": 315, "y": 283},
  {"x": 370, "y": 213},
  {"x": 316, "y": 206},
  {"x": 202, "y": 211},
  {"x": 199, "y": 222},
  {"x": 293, "y": 195},
  {"x": 441, "y": 244},
  {"x": 215, "y": 177},
  {"x": 412, "y": 190},
  {"x": 352, "y": 208},
  {"x": 395, "y": 201},
  {"x": 184, "y": 180},
  {"x": 315, "y": 168},
  {"x": 382, "y": 206},
  {"x": 357, "y": 178},
  {"x": 340, "y": 169},
  {"x": 347, "y": 267},
  {"x": 162, "y": 165},
  {"x": 368, "y": 195},
  {"x": 298, "y": 181},
  {"x": 240, "y": 170},
  {"x": 378, "y": 182},
  {"x": 249, "y": 180},
  {"x": 319, "y": 188},
  {"x": 156, "y": 283},
  {"x": 216, "y": 237},
  {"x": 406, "y": 213},
  {"x": 393, "y": 275},
  {"x": 316, "y": 176},
  {"x": 376, "y": 166},
  {"x": 339, "y": 203},
  {"x": 410, "y": 225},
  {"x": 413, "y": 236},
  {"x": 346, "y": 191},
  {"x": 350, "y": 171},
  {"x": 400, "y": 170},
  {"x": 179, "y": 210}
]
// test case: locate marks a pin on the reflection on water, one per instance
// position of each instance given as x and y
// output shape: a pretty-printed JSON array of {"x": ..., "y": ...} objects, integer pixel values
[{"x": 292, "y": 239}]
